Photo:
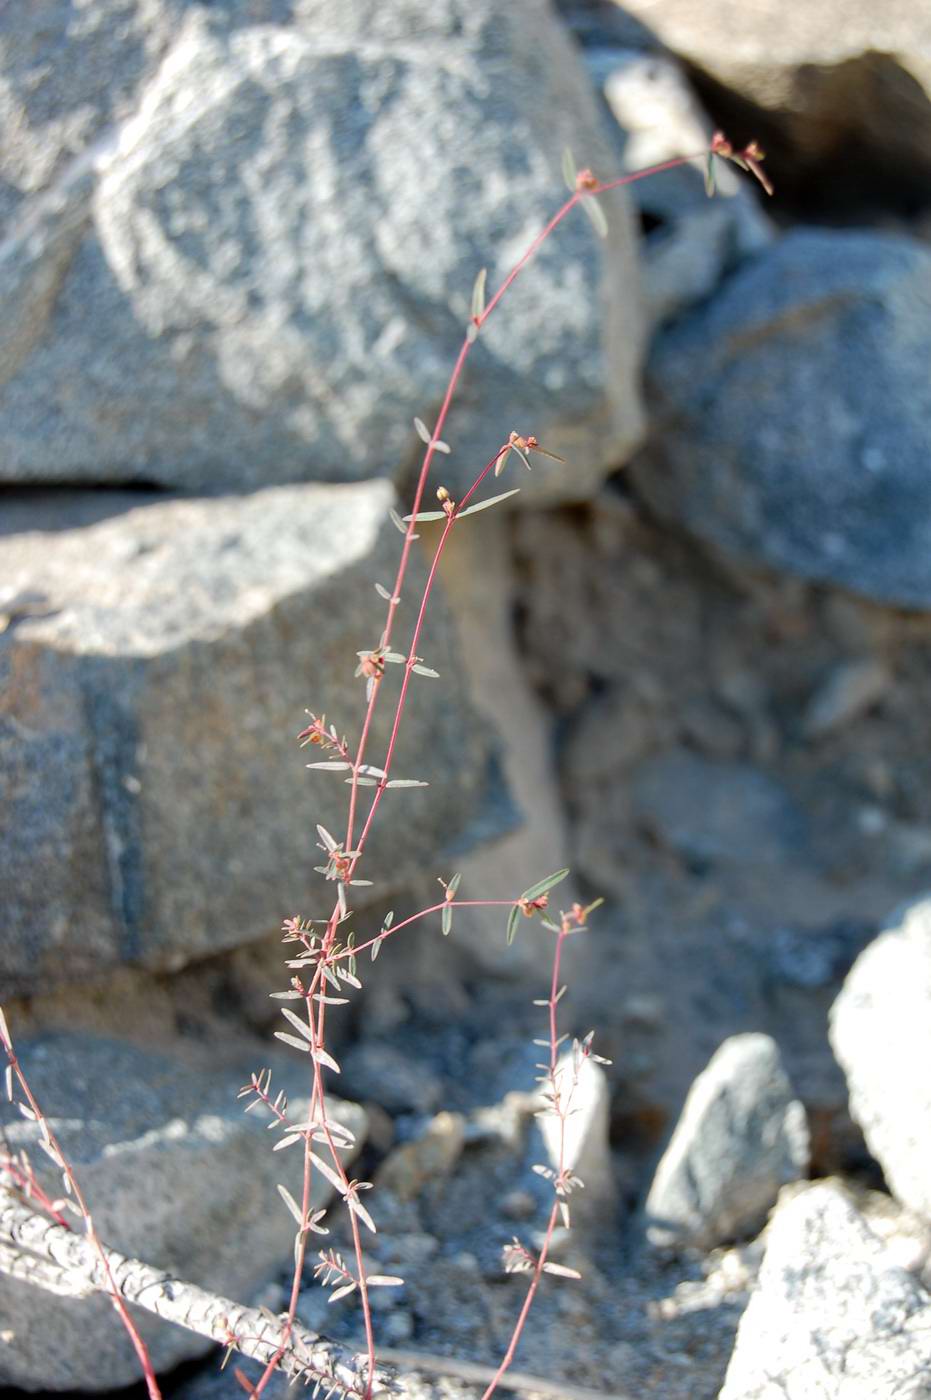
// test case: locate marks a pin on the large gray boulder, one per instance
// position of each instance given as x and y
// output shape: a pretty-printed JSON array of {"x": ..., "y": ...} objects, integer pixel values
[
  {"x": 742, "y": 1136},
  {"x": 834, "y": 1315},
  {"x": 244, "y": 251},
  {"x": 793, "y": 415},
  {"x": 175, "y": 1173},
  {"x": 881, "y": 1034},
  {"x": 155, "y": 669}
]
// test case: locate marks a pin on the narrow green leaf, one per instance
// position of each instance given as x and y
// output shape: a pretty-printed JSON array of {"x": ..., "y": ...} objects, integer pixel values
[
  {"x": 423, "y": 432},
  {"x": 544, "y": 886},
  {"x": 513, "y": 920},
  {"x": 425, "y": 671},
  {"x": 453, "y": 885},
  {"x": 406, "y": 782},
  {"x": 300, "y": 1026},
  {"x": 447, "y": 919},
  {"x": 478, "y": 294},
  {"x": 427, "y": 515},
  {"x": 595, "y": 212},
  {"x": 568, "y": 168},
  {"x": 292, "y": 1040},
  {"x": 709, "y": 175},
  {"x": 484, "y": 505}
]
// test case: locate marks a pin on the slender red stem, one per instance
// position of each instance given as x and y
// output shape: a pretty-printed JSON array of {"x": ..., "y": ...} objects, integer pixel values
[
  {"x": 318, "y": 1099},
  {"x": 113, "y": 1292},
  {"x": 537, "y": 1274}
]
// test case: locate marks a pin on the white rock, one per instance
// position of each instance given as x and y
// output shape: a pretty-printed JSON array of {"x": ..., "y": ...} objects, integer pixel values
[
  {"x": 833, "y": 1317},
  {"x": 881, "y": 1034}
]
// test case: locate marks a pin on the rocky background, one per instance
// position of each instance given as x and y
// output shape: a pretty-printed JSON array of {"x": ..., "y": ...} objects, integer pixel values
[{"x": 238, "y": 244}]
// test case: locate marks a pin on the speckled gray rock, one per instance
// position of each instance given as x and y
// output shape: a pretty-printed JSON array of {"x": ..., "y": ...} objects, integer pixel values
[
  {"x": 793, "y": 412},
  {"x": 175, "y": 1174},
  {"x": 155, "y": 671},
  {"x": 881, "y": 1034},
  {"x": 833, "y": 1316},
  {"x": 273, "y": 267},
  {"x": 741, "y": 1137}
]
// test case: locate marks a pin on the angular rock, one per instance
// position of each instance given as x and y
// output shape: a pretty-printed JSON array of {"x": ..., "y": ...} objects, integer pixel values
[
  {"x": 833, "y": 1316},
  {"x": 793, "y": 415},
  {"x": 741, "y": 1137},
  {"x": 881, "y": 1034},
  {"x": 847, "y": 693},
  {"x": 285, "y": 223},
  {"x": 425, "y": 1159},
  {"x": 840, "y": 91},
  {"x": 175, "y": 1174},
  {"x": 154, "y": 675}
]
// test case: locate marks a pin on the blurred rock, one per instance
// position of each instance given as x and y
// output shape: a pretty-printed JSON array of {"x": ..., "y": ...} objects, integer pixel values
[
  {"x": 395, "y": 1081},
  {"x": 716, "y": 812},
  {"x": 833, "y": 1314},
  {"x": 175, "y": 1174},
  {"x": 151, "y": 694},
  {"x": 270, "y": 272},
  {"x": 427, "y": 1158},
  {"x": 792, "y": 415},
  {"x": 584, "y": 1143},
  {"x": 840, "y": 92},
  {"x": 881, "y": 1034},
  {"x": 742, "y": 1136},
  {"x": 846, "y": 694}
]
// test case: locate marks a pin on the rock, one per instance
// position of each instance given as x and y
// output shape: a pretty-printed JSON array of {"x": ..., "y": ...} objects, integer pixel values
[
  {"x": 838, "y": 92},
  {"x": 881, "y": 1034},
  {"x": 151, "y": 694},
  {"x": 270, "y": 269},
  {"x": 427, "y": 1158},
  {"x": 847, "y": 693},
  {"x": 396, "y": 1082},
  {"x": 833, "y": 1316},
  {"x": 586, "y": 1149},
  {"x": 713, "y": 813},
  {"x": 792, "y": 415},
  {"x": 741, "y": 1137},
  {"x": 175, "y": 1174}
]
